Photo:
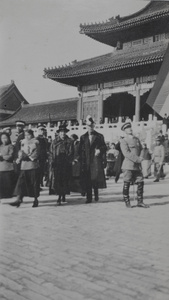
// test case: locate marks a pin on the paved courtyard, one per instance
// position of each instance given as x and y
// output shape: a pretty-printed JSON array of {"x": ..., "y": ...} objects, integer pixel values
[{"x": 98, "y": 251}]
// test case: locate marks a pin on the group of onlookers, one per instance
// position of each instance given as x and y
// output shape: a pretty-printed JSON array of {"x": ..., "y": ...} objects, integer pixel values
[{"x": 71, "y": 165}]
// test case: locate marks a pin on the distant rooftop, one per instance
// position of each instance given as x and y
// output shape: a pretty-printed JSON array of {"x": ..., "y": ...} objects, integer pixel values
[{"x": 65, "y": 109}]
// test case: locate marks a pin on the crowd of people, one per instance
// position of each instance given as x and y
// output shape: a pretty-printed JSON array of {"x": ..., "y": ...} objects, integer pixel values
[{"x": 68, "y": 164}]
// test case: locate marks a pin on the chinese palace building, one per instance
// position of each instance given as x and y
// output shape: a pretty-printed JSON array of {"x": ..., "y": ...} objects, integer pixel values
[{"x": 119, "y": 83}]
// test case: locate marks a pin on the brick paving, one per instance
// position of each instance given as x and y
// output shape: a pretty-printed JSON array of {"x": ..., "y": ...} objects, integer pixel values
[{"x": 98, "y": 251}]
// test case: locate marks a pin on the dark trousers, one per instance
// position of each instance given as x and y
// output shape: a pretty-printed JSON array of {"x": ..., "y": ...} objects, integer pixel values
[
  {"x": 42, "y": 166},
  {"x": 89, "y": 186}
]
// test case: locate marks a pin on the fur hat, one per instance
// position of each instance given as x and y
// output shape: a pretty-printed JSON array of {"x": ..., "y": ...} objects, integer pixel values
[
  {"x": 62, "y": 128},
  {"x": 89, "y": 120}
]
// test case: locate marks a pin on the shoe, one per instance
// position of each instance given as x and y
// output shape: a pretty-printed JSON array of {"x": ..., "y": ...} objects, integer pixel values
[
  {"x": 128, "y": 205},
  {"x": 35, "y": 203},
  {"x": 59, "y": 200},
  {"x": 156, "y": 180},
  {"x": 143, "y": 205},
  {"x": 96, "y": 195},
  {"x": 88, "y": 201},
  {"x": 96, "y": 198},
  {"x": 63, "y": 199},
  {"x": 17, "y": 203}
]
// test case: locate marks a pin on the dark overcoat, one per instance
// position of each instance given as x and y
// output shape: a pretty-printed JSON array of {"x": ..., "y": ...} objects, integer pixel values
[
  {"x": 61, "y": 156},
  {"x": 17, "y": 147},
  {"x": 91, "y": 164},
  {"x": 75, "y": 185}
]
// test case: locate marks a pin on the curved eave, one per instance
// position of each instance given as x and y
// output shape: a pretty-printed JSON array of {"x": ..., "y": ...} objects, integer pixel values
[
  {"x": 73, "y": 78},
  {"x": 110, "y": 28}
]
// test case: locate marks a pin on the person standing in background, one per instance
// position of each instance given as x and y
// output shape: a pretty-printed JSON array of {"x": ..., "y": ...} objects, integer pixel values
[
  {"x": 158, "y": 159},
  {"x": 20, "y": 125},
  {"x": 166, "y": 148},
  {"x": 43, "y": 149},
  {"x": 146, "y": 162},
  {"x": 7, "y": 178}
]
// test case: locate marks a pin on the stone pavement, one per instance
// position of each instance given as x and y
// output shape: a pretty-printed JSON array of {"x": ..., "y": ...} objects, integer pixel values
[{"x": 98, "y": 251}]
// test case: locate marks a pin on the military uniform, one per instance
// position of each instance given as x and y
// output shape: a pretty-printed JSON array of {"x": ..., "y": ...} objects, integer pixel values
[{"x": 131, "y": 149}]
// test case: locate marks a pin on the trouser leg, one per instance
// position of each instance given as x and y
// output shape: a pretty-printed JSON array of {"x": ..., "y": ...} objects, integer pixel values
[
  {"x": 89, "y": 187},
  {"x": 96, "y": 194}
]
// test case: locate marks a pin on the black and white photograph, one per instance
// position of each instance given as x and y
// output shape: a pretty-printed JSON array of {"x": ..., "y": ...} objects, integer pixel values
[{"x": 84, "y": 150}]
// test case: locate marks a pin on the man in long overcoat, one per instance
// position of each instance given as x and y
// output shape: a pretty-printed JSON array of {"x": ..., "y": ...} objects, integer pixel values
[{"x": 92, "y": 152}]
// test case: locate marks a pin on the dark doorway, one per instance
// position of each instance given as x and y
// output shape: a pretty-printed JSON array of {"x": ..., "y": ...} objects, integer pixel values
[{"x": 122, "y": 104}]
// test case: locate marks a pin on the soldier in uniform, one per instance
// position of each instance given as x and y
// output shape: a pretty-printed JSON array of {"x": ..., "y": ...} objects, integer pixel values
[
  {"x": 92, "y": 152},
  {"x": 131, "y": 149}
]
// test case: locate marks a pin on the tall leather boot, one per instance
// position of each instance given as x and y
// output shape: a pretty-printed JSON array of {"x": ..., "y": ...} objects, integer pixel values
[
  {"x": 140, "y": 202},
  {"x": 126, "y": 197}
]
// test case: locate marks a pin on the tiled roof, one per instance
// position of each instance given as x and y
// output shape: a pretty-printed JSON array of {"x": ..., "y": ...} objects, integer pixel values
[
  {"x": 5, "y": 88},
  {"x": 116, "y": 60},
  {"x": 65, "y": 109},
  {"x": 154, "y": 10}
]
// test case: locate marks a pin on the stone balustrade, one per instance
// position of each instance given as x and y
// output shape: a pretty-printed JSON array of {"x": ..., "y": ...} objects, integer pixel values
[{"x": 145, "y": 130}]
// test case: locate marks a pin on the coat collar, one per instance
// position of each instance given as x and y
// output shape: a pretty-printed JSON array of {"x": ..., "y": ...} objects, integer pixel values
[{"x": 93, "y": 138}]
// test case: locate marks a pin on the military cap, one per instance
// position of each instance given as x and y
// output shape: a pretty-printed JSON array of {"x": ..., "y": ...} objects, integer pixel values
[
  {"x": 20, "y": 123},
  {"x": 126, "y": 125},
  {"x": 41, "y": 126},
  {"x": 6, "y": 129}
]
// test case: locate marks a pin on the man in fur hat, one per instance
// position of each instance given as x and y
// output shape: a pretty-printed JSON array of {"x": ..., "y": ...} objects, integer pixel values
[{"x": 92, "y": 152}]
